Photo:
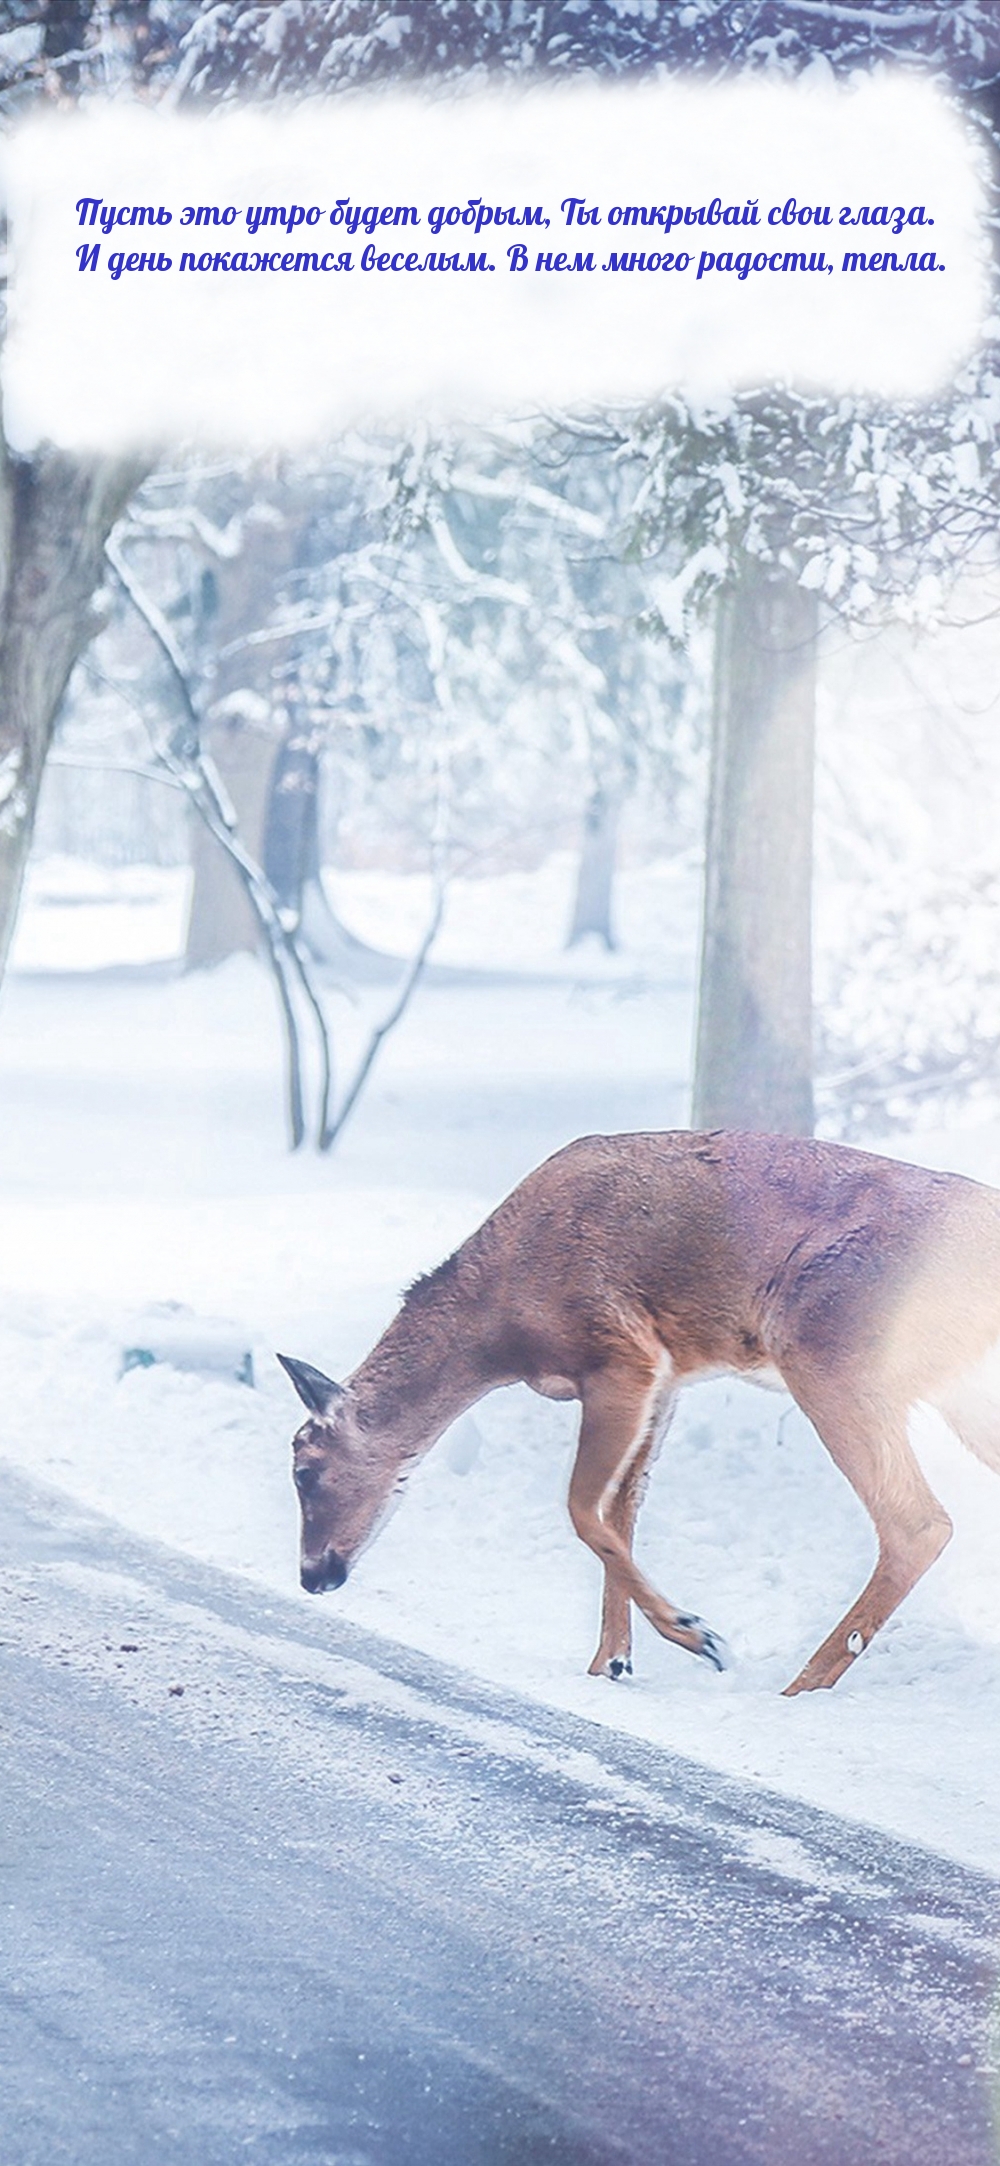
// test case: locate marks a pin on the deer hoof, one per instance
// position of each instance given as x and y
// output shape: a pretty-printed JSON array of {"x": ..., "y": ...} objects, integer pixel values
[
  {"x": 711, "y": 1646},
  {"x": 714, "y": 1650},
  {"x": 614, "y": 1666}
]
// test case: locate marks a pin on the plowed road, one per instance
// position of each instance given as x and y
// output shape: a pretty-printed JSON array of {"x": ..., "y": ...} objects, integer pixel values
[{"x": 331, "y": 1905}]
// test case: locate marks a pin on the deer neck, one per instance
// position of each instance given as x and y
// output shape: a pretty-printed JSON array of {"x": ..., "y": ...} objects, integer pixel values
[{"x": 429, "y": 1366}]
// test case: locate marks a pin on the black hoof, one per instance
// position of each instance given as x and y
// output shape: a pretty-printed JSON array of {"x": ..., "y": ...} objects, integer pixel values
[
  {"x": 712, "y": 1646},
  {"x": 619, "y": 1666},
  {"x": 715, "y": 1650}
]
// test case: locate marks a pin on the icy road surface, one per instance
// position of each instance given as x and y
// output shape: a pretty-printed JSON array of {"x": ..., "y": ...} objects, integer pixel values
[{"x": 275, "y": 1889}]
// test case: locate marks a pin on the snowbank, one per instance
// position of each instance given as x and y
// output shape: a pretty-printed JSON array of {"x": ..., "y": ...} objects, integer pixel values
[{"x": 141, "y": 1159}]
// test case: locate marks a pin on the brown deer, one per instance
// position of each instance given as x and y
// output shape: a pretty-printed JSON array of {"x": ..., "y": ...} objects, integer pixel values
[{"x": 628, "y": 1266}]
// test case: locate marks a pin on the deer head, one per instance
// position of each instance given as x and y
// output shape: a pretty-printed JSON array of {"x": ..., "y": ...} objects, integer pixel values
[{"x": 344, "y": 1485}]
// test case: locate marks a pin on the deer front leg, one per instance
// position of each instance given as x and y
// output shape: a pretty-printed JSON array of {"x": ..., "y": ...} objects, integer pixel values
[
  {"x": 623, "y": 1408},
  {"x": 614, "y": 1655},
  {"x": 870, "y": 1445}
]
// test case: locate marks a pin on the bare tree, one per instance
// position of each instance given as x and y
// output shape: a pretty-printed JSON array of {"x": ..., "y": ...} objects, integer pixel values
[{"x": 180, "y": 751}]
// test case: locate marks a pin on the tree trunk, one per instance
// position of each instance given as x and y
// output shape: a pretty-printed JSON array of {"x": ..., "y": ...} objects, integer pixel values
[
  {"x": 55, "y": 516},
  {"x": 592, "y": 904},
  {"x": 753, "y": 1063},
  {"x": 246, "y": 688},
  {"x": 222, "y": 921},
  {"x": 292, "y": 864},
  {"x": 291, "y": 827}
]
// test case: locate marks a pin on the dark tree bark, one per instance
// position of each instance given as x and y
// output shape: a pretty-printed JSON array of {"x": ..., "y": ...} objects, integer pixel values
[
  {"x": 292, "y": 862},
  {"x": 592, "y": 903},
  {"x": 56, "y": 513},
  {"x": 291, "y": 829},
  {"x": 753, "y": 1064}
]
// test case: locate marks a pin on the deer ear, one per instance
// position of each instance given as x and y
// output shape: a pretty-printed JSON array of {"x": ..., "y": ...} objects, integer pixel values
[{"x": 316, "y": 1391}]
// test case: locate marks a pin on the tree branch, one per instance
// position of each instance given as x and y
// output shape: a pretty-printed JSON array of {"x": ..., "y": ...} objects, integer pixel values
[
  {"x": 186, "y": 758},
  {"x": 389, "y": 1021}
]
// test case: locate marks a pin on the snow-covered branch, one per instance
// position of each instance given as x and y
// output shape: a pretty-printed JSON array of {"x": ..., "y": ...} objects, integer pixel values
[{"x": 184, "y": 757}]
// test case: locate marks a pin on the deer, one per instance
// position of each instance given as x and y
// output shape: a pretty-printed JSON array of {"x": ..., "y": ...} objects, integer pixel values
[{"x": 627, "y": 1267}]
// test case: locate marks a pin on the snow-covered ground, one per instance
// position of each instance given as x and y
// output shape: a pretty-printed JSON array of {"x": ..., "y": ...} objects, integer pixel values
[{"x": 142, "y": 1160}]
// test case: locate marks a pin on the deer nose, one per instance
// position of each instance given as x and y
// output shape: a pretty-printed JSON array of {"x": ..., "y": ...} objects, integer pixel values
[{"x": 329, "y": 1570}]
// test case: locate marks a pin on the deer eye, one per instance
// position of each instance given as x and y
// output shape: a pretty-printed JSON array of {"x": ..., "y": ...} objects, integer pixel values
[{"x": 305, "y": 1479}]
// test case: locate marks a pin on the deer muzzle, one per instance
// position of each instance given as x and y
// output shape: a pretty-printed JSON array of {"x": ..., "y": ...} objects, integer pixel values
[{"x": 318, "y": 1575}]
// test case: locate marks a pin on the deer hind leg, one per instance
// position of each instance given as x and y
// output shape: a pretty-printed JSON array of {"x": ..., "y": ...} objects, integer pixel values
[
  {"x": 624, "y": 1411},
  {"x": 868, "y": 1442}
]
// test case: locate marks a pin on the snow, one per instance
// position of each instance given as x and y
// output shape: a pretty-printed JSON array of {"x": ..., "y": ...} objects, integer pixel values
[{"x": 142, "y": 1161}]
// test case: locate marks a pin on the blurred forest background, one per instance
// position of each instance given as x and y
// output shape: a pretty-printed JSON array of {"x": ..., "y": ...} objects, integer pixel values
[{"x": 708, "y": 691}]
